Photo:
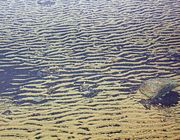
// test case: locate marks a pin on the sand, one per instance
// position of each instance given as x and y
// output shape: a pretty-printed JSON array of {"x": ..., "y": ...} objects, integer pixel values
[{"x": 72, "y": 69}]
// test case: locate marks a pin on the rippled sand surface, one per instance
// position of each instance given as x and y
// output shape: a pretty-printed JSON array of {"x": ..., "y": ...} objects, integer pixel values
[{"x": 70, "y": 69}]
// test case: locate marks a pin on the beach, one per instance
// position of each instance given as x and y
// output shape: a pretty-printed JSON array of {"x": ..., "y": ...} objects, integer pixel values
[{"x": 71, "y": 69}]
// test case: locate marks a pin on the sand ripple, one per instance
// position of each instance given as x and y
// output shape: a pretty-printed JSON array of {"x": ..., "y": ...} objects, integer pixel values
[{"x": 69, "y": 69}]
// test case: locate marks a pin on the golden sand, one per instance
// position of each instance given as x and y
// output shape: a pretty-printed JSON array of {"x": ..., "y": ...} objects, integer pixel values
[{"x": 54, "y": 57}]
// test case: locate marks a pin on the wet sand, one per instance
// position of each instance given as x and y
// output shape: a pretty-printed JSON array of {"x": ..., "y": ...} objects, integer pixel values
[{"x": 71, "y": 69}]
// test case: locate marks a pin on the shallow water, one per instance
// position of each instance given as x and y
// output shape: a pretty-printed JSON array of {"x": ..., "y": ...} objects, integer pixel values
[{"x": 71, "y": 69}]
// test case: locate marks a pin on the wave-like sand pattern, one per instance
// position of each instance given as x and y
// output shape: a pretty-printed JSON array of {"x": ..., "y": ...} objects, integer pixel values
[{"x": 69, "y": 69}]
